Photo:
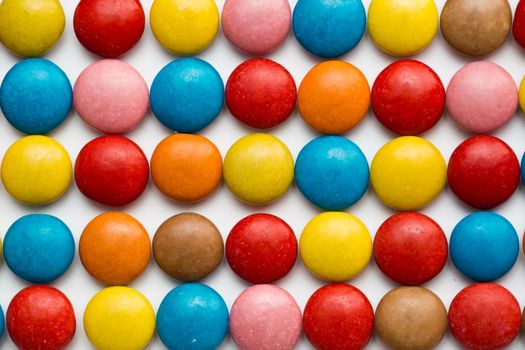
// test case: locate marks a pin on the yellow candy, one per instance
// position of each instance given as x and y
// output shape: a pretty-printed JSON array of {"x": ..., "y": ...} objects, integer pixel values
[
  {"x": 522, "y": 95},
  {"x": 184, "y": 27},
  {"x": 36, "y": 170},
  {"x": 402, "y": 27},
  {"x": 31, "y": 27},
  {"x": 119, "y": 318},
  {"x": 408, "y": 173},
  {"x": 335, "y": 246},
  {"x": 258, "y": 168}
]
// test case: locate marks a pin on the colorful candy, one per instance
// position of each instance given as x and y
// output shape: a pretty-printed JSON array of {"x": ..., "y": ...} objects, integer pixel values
[
  {"x": 518, "y": 27},
  {"x": 522, "y": 95},
  {"x": 2, "y": 322}
]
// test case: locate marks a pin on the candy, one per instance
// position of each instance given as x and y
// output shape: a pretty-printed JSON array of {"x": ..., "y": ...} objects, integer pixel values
[
  {"x": 408, "y": 173},
  {"x": 184, "y": 27},
  {"x": 329, "y": 28},
  {"x": 192, "y": 316},
  {"x": 335, "y": 246},
  {"x": 482, "y": 97},
  {"x": 258, "y": 169},
  {"x": 483, "y": 172},
  {"x": 409, "y": 318},
  {"x": 36, "y": 170},
  {"x": 265, "y": 317},
  {"x": 410, "y": 248},
  {"x": 40, "y": 317},
  {"x": 261, "y": 93},
  {"x": 256, "y": 27},
  {"x": 188, "y": 247},
  {"x": 2, "y": 322},
  {"x": 39, "y": 248},
  {"x": 338, "y": 317},
  {"x": 114, "y": 248},
  {"x": 109, "y": 28},
  {"x": 408, "y": 97},
  {"x": 186, "y": 168},
  {"x": 111, "y": 96},
  {"x": 35, "y": 96},
  {"x": 484, "y": 316},
  {"x": 261, "y": 248},
  {"x": 334, "y": 97},
  {"x": 111, "y": 170},
  {"x": 518, "y": 27},
  {"x": 522, "y": 95},
  {"x": 400, "y": 27},
  {"x": 29, "y": 28},
  {"x": 119, "y": 318},
  {"x": 187, "y": 95}
]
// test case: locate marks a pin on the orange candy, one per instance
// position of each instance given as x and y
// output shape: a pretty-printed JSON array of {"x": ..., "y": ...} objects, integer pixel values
[{"x": 334, "y": 97}]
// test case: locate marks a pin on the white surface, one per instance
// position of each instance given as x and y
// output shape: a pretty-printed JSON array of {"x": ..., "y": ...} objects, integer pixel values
[{"x": 222, "y": 208}]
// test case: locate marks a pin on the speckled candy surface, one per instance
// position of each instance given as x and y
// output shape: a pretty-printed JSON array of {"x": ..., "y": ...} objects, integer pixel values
[{"x": 518, "y": 27}]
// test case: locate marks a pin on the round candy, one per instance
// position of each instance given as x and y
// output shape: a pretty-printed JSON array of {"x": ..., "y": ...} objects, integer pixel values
[
  {"x": 111, "y": 170},
  {"x": 335, "y": 246},
  {"x": 111, "y": 96},
  {"x": 484, "y": 316},
  {"x": 40, "y": 317},
  {"x": 265, "y": 317},
  {"x": 35, "y": 96},
  {"x": 184, "y": 27},
  {"x": 31, "y": 27},
  {"x": 333, "y": 97},
  {"x": 187, "y": 95},
  {"x": 408, "y": 97},
  {"x": 518, "y": 28},
  {"x": 39, "y": 248},
  {"x": 329, "y": 28},
  {"x": 114, "y": 248},
  {"x": 188, "y": 247},
  {"x": 258, "y": 169},
  {"x": 119, "y": 318},
  {"x": 186, "y": 168},
  {"x": 109, "y": 28},
  {"x": 409, "y": 318},
  {"x": 482, "y": 97},
  {"x": 192, "y": 316},
  {"x": 408, "y": 173},
  {"x": 36, "y": 170},
  {"x": 338, "y": 317},
  {"x": 483, "y": 172},
  {"x": 476, "y": 27},
  {"x": 261, "y": 248},
  {"x": 400, "y": 27},
  {"x": 522, "y": 95},
  {"x": 2, "y": 322},
  {"x": 410, "y": 248},
  {"x": 256, "y": 27}
]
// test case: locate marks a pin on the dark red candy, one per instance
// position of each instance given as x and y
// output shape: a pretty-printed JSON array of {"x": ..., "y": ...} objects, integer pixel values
[
  {"x": 483, "y": 172},
  {"x": 112, "y": 170},
  {"x": 40, "y": 317},
  {"x": 518, "y": 28},
  {"x": 410, "y": 248},
  {"x": 261, "y": 248},
  {"x": 261, "y": 93},
  {"x": 109, "y": 28},
  {"x": 408, "y": 97}
]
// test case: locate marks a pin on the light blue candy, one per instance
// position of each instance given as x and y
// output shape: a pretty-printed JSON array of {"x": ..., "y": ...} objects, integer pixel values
[{"x": 2, "y": 322}]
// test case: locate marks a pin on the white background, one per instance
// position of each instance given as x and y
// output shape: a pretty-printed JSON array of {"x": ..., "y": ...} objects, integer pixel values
[{"x": 222, "y": 208}]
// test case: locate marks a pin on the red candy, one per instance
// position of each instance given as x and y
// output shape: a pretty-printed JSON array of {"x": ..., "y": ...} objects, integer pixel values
[
  {"x": 484, "y": 316},
  {"x": 40, "y": 317},
  {"x": 261, "y": 93},
  {"x": 109, "y": 28},
  {"x": 483, "y": 172},
  {"x": 410, "y": 248},
  {"x": 518, "y": 28},
  {"x": 338, "y": 317},
  {"x": 261, "y": 248},
  {"x": 111, "y": 170},
  {"x": 408, "y": 97}
]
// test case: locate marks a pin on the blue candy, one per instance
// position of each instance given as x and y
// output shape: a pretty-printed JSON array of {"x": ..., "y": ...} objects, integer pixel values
[
  {"x": 2, "y": 322},
  {"x": 332, "y": 172},
  {"x": 187, "y": 95},
  {"x": 35, "y": 96},
  {"x": 192, "y": 316},
  {"x": 329, "y": 28},
  {"x": 39, "y": 248},
  {"x": 484, "y": 246}
]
